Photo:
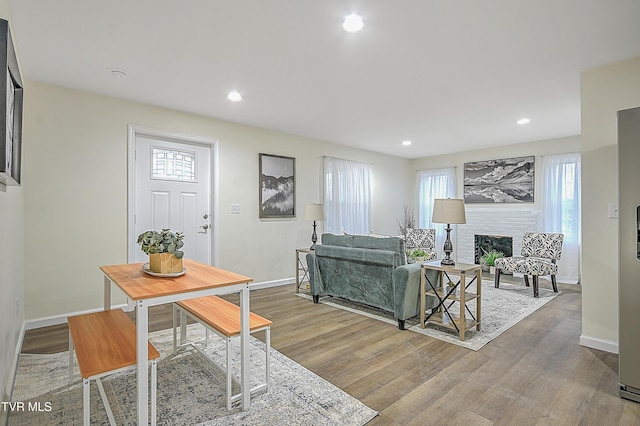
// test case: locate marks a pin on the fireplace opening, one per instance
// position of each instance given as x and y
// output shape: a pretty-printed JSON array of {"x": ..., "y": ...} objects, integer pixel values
[{"x": 486, "y": 243}]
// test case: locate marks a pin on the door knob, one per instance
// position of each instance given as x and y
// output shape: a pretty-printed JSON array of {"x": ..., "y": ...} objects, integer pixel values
[{"x": 204, "y": 227}]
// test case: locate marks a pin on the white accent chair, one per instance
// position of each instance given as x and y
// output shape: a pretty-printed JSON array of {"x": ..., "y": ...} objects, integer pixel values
[{"x": 540, "y": 251}]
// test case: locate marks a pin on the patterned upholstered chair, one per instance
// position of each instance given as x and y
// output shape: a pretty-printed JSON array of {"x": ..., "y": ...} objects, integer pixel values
[
  {"x": 539, "y": 254},
  {"x": 423, "y": 239}
]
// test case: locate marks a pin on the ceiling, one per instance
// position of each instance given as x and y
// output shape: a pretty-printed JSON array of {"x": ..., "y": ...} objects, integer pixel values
[{"x": 449, "y": 75}]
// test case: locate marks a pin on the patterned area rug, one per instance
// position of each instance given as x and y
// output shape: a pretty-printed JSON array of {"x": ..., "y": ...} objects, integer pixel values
[
  {"x": 501, "y": 308},
  {"x": 190, "y": 391}
]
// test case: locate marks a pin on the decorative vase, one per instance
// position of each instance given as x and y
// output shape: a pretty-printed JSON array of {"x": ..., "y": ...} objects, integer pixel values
[
  {"x": 165, "y": 263},
  {"x": 492, "y": 270}
]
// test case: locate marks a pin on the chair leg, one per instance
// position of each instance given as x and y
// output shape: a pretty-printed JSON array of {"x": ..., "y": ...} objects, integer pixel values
[
  {"x": 536, "y": 293},
  {"x": 497, "y": 278},
  {"x": 554, "y": 284},
  {"x": 526, "y": 280}
]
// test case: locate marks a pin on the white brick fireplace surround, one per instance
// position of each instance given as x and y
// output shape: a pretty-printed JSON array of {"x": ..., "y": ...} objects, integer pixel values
[{"x": 500, "y": 221}]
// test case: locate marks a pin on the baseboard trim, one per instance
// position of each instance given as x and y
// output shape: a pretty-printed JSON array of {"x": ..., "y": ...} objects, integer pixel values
[
  {"x": 274, "y": 283},
  {"x": 602, "y": 345},
  {"x": 62, "y": 319}
]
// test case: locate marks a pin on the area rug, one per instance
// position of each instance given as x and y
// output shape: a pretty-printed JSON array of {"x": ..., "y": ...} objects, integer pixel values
[
  {"x": 190, "y": 391},
  {"x": 501, "y": 309}
]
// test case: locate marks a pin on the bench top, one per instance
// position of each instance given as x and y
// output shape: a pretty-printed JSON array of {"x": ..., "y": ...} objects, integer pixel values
[
  {"x": 221, "y": 315},
  {"x": 105, "y": 341}
]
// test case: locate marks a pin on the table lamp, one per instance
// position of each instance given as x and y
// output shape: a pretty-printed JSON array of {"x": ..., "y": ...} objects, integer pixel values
[
  {"x": 449, "y": 210},
  {"x": 314, "y": 212}
]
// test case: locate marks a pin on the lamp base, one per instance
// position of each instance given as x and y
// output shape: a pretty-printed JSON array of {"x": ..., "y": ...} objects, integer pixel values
[
  {"x": 447, "y": 261},
  {"x": 314, "y": 237},
  {"x": 448, "y": 248}
]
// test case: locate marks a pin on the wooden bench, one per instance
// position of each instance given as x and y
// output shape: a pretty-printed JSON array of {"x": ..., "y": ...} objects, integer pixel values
[
  {"x": 223, "y": 319},
  {"x": 105, "y": 342}
]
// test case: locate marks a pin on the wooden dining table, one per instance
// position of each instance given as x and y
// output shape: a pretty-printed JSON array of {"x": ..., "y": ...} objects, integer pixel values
[{"x": 145, "y": 290}]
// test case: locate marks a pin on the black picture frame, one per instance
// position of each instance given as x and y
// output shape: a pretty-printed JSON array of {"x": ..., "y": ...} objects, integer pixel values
[
  {"x": 11, "y": 103},
  {"x": 276, "y": 187},
  {"x": 508, "y": 180}
]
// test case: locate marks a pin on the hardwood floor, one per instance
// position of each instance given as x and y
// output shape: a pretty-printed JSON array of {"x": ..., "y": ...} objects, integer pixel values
[{"x": 535, "y": 373}]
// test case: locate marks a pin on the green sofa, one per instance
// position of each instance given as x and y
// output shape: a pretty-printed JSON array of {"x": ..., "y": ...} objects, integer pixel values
[{"x": 368, "y": 270}]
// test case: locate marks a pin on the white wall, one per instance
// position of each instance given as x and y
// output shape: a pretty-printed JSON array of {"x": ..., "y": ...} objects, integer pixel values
[
  {"x": 75, "y": 178},
  {"x": 605, "y": 90}
]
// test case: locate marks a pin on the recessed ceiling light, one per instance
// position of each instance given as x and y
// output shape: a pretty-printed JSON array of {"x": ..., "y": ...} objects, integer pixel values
[
  {"x": 523, "y": 121},
  {"x": 406, "y": 143},
  {"x": 353, "y": 23},
  {"x": 234, "y": 96}
]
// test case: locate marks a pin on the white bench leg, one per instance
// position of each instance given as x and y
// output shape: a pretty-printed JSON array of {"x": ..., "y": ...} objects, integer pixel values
[
  {"x": 70, "y": 358},
  {"x": 183, "y": 327},
  {"x": 267, "y": 338},
  {"x": 154, "y": 386},
  {"x": 228, "y": 373},
  {"x": 105, "y": 401},
  {"x": 86, "y": 400},
  {"x": 175, "y": 326}
]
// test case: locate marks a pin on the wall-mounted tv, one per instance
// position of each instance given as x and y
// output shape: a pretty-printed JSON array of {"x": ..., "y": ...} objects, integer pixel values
[{"x": 11, "y": 100}]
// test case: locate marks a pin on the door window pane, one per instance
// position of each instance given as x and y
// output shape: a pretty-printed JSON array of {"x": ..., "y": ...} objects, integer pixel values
[{"x": 168, "y": 164}]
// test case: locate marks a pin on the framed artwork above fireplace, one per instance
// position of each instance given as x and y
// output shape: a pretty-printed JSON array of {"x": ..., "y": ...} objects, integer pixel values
[{"x": 509, "y": 180}]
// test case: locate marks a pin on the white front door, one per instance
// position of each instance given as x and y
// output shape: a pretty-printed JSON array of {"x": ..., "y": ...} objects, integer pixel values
[{"x": 172, "y": 190}]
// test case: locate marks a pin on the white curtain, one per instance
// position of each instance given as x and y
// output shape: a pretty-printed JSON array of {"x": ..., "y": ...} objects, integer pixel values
[
  {"x": 432, "y": 184},
  {"x": 561, "y": 210},
  {"x": 347, "y": 196}
]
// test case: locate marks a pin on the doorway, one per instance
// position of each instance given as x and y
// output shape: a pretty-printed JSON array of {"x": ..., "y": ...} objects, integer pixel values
[{"x": 171, "y": 185}]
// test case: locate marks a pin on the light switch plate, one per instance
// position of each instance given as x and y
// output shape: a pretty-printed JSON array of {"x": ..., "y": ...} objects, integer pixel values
[
  {"x": 235, "y": 208},
  {"x": 613, "y": 211}
]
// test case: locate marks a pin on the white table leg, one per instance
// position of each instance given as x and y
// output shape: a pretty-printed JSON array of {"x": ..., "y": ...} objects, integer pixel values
[
  {"x": 142, "y": 356},
  {"x": 245, "y": 386}
]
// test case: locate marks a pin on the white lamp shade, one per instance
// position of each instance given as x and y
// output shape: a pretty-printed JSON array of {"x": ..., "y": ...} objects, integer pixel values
[
  {"x": 314, "y": 212},
  {"x": 448, "y": 210}
]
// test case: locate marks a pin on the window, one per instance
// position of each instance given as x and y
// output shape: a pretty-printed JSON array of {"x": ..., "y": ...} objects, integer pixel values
[
  {"x": 347, "y": 196},
  {"x": 168, "y": 164},
  {"x": 561, "y": 209},
  {"x": 432, "y": 184}
]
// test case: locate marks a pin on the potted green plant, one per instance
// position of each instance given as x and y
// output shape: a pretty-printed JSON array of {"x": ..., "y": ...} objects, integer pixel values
[
  {"x": 163, "y": 248},
  {"x": 419, "y": 255},
  {"x": 489, "y": 258}
]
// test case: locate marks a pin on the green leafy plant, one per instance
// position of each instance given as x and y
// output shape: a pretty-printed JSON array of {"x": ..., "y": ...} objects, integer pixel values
[
  {"x": 152, "y": 242},
  {"x": 419, "y": 253},
  {"x": 489, "y": 257}
]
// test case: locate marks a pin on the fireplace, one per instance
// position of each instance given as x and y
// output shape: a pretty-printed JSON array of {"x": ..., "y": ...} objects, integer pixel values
[{"x": 486, "y": 243}]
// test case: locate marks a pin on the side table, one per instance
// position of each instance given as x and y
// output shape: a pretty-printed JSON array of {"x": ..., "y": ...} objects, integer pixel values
[
  {"x": 301, "y": 266},
  {"x": 448, "y": 295}
]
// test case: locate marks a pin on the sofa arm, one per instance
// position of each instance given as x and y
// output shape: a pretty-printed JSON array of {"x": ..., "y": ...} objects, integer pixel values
[
  {"x": 315, "y": 281},
  {"x": 406, "y": 290}
]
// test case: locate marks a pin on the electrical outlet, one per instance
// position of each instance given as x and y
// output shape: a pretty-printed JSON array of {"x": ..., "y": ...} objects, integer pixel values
[
  {"x": 235, "y": 208},
  {"x": 613, "y": 211}
]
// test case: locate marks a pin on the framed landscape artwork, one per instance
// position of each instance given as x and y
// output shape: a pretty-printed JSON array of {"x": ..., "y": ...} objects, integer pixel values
[
  {"x": 277, "y": 186},
  {"x": 11, "y": 99},
  {"x": 510, "y": 180}
]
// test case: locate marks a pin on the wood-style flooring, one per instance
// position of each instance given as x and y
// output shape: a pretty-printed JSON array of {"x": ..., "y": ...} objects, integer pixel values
[{"x": 536, "y": 373}]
